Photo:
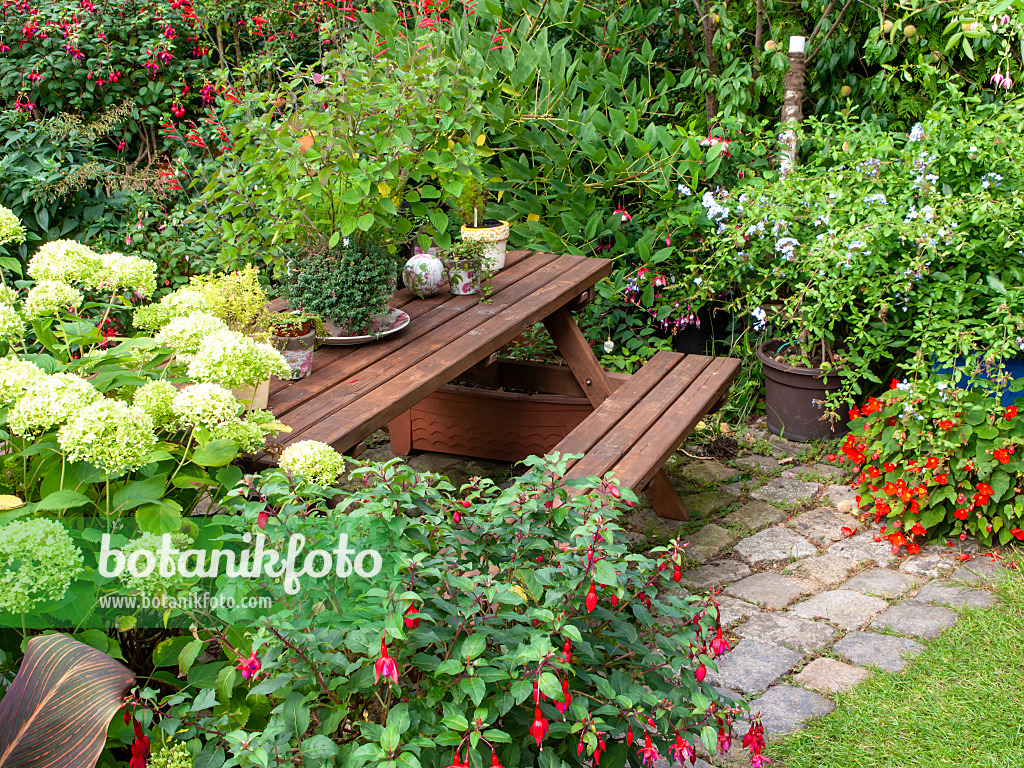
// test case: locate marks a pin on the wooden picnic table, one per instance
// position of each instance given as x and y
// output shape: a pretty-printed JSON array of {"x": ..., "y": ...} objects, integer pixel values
[{"x": 354, "y": 391}]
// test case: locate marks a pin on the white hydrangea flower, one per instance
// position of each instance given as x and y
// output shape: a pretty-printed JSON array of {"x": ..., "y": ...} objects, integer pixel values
[
  {"x": 185, "y": 334},
  {"x": 156, "y": 398},
  {"x": 181, "y": 303},
  {"x": 48, "y": 561},
  {"x": 49, "y": 297},
  {"x": 232, "y": 359},
  {"x": 119, "y": 272},
  {"x": 16, "y": 376},
  {"x": 12, "y": 325},
  {"x": 313, "y": 460},
  {"x": 156, "y": 584},
  {"x": 247, "y": 432},
  {"x": 65, "y": 261},
  {"x": 11, "y": 230},
  {"x": 204, "y": 405},
  {"x": 108, "y": 434},
  {"x": 50, "y": 402}
]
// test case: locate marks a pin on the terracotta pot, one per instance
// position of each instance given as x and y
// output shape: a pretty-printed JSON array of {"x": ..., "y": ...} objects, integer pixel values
[
  {"x": 488, "y": 424},
  {"x": 793, "y": 396},
  {"x": 297, "y": 352}
]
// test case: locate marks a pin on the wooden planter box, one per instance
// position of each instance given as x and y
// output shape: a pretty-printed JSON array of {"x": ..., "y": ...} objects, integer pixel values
[{"x": 493, "y": 424}]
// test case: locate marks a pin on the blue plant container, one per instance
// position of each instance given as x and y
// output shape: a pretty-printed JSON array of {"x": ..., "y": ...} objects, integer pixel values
[{"x": 1013, "y": 369}]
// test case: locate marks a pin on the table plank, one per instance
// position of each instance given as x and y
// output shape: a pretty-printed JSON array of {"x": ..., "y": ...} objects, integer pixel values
[
  {"x": 333, "y": 366},
  {"x": 417, "y": 370}
]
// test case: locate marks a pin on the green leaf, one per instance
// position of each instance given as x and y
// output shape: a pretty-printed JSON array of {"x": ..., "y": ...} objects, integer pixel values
[
  {"x": 295, "y": 713},
  {"x": 473, "y": 646},
  {"x": 335, "y": 239},
  {"x": 318, "y": 752},
  {"x": 475, "y": 687},
  {"x": 158, "y": 519},
  {"x": 188, "y": 655},
  {"x": 58, "y": 501},
  {"x": 216, "y": 454}
]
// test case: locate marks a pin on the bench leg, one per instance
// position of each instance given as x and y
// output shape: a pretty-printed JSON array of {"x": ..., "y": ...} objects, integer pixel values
[{"x": 665, "y": 499}]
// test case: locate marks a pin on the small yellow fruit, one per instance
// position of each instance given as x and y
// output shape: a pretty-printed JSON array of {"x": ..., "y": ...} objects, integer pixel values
[
  {"x": 910, "y": 31},
  {"x": 845, "y": 91},
  {"x": 887, "y": 26},
  {"x": 844, "y": 506},
  {"x": 844, "y": 112},
  {"x": 770, "y": 46}
]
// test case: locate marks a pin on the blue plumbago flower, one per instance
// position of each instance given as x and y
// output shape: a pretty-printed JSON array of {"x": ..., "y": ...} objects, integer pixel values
[
  {"x": 786, "y": 246},
  {"x": 715, "y": 211},
  {"x": 989, "y": 179},
  {"x": 917, "y": 133},
  {"x": 760, "y": 318},
  {"x": 684, "y": 191},
  {"x": 877, "y": 197}
]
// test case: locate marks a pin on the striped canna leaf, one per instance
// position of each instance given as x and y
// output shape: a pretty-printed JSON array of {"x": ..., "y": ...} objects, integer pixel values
[{"x": 56, "y": 712}]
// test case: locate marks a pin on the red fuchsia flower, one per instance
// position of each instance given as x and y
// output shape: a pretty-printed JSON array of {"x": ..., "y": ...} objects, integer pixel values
[
  {"x": 539, "y": 729},
  {"x": 140, "y": 748},
  {"x": 629, "y": 735},
  {"x": 701, "y": 672},
  {"x": 250, "y": 667},
  {"x": 677, "y": 574},
  {"x": 261, "y": 520},
  {"x": 682, "y": 750},
  {"x": 648, "y": 751},
  {"x": 456, "y": 763},
  {"x": 719, "y": 644},
  {"x": 385, "y": 666},
  {"x": 625, "y": 216},
  {"x": 563, "y": 705},
  {"x": 724, "y": 740},
  {"x": 411, "y": 622},
  {"x": 495, "y": 763},
  {"x": 591, "y": 601}
]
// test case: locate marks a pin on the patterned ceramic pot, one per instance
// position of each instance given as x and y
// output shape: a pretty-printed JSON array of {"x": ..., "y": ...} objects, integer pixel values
[
  {"x": 496, "y": 238},
  {"x": 297, "y": 352},
  {"x": 423, "y": 274},
  {"x": 462, "y": 280}
]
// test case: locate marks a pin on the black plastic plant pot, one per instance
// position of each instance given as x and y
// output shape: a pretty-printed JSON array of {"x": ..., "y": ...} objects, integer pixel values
[{"x": 794, "y": 399}]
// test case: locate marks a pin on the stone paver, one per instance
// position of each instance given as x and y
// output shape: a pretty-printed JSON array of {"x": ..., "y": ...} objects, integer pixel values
[
  {"x": 785, "y": 709},
  {"x": 823, "y": 525},
  {"x": 850, "y": 610},
  {"x": 755, "y": 463},
  {"x": 756, "y": 515},
  {"x": 827, "y": 675},
  {"x": 704, "y": 504},
  {"x": 770, "y": 589},
  {"x": 714, "y": 574},
  {"x": 882, "y": 582},
  {"x": 773, "y": 545},
  {"x": 787, "y": 630},
  {"x": 982, "y": 569},
  {"x": 707, "y": 471},
  {"x": 837, "y": 493},
  {"x": 912, "y": 617},
  {"x": 828, "y": 570},
  {"x": 737, "y": 489},
  {"x": 752, "y": 666},
  {"x": 815, "y": 471},
  {"x": 862, "y": 547},
  {"x": 867, "y": 649},
  {"x": 956, "y": 594},
  {"x": 732, "y": 611},
  {"x": 928, "y": 566},
  {"x": 708, "y": 542},
  {"x": 785, "y": 491}
]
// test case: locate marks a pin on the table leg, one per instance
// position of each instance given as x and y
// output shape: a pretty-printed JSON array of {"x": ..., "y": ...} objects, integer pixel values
[
  {"x": 578, "y": 356},
  {"x": 665, "y": 499}
]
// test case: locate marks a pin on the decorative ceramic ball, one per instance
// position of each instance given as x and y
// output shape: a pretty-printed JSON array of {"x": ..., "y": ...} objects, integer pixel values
[{"x": 423, "y": 274}]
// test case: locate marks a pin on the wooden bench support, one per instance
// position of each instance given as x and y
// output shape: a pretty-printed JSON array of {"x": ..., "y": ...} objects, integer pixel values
[{"x": 637, "y": 428}]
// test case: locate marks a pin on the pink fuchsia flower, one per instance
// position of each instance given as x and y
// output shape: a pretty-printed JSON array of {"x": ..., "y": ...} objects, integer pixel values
[
  {"x": 724, "y": 740},
  {"x": 1007, "y": 83},
  {"x": 1005, "y": 19},
  {"x": 648, "y": 751},
  {"x": 997, "y": 79},
  {"x": 385, "y": 666},
  {"x": 539, "y": 729},
  {"x": 250, "y": 667},
  {"x": 625, "y": 215},
  {"x": 719, "y": 644},
  {"x": 682, "y": 750}
]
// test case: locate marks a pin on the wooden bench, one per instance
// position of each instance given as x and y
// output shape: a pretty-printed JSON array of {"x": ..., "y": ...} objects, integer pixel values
[{"x": 640, "y": 425}]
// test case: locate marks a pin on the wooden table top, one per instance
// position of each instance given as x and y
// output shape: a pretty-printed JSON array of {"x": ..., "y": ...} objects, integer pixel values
[{"x": 354, "y": 391}]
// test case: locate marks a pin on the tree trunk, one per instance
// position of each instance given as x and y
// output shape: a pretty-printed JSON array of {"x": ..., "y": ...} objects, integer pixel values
[{"x": 794, "y": 86}]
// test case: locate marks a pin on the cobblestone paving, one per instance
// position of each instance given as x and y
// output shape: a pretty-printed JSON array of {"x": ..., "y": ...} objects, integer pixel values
[{"x": 809, "y": 608}]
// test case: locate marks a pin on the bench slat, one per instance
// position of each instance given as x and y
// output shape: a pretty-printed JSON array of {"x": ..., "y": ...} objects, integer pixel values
[
  {"x": 650, "y": 454},
  {"x": 629, "y": 432},
  {"x": 597, "y": 424}
]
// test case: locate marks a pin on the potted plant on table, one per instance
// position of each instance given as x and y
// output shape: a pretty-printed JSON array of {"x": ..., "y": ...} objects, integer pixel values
[
  {"x": 349, "y": 286},
  {"x": 469, "y": 266},
  {"x": 294, "y": 335},
  {"x": 493, "y": 233}
]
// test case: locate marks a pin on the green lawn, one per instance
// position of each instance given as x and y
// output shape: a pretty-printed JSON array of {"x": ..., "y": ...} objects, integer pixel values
[{"x": 960, "y": 703}]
